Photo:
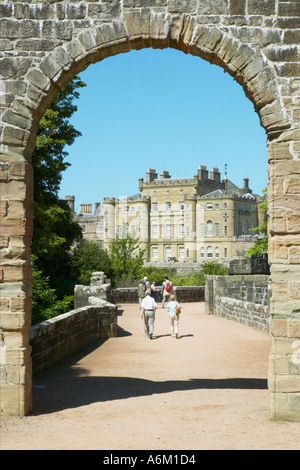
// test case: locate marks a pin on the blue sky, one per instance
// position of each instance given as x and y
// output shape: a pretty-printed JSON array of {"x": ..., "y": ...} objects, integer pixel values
[{"x": 160, "y": 109}]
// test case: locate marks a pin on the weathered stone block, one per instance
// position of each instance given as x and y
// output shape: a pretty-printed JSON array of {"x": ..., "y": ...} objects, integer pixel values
[
  {"x": 3, "y": 171},
  {"x": 261, "y": 7},
  {"x": 76, "y": 11},
  {"x": 213, "y": 7},
  {"x": 288, "y": 9},
  {"x": 291, "y": 185},
  {"x": 237, "y": 7},
  {"x": 16, "y": 29},
  {"x": 182, "y": 6}
]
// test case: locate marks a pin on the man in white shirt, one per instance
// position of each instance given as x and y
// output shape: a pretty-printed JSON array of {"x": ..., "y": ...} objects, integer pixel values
[{"x": 148, "y": 308}]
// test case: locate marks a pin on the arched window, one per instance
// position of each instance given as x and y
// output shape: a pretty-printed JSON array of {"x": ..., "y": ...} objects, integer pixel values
[
  {"x": 209, "y": 228},
  {"x": 209, "y": 252}
]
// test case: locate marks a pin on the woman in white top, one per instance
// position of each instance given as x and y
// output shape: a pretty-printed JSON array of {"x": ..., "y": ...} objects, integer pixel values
[{"x": 174, "y": 318}]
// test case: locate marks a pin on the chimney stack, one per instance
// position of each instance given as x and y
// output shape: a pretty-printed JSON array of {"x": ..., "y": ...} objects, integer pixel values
[
  {"x": 151, "y": 175},
  {"x": 71, "y": 202},
  {"x": 85, "y": 208}
]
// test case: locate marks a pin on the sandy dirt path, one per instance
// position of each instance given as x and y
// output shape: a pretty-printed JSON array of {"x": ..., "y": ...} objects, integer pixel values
[{"x": 205, "y": 390}]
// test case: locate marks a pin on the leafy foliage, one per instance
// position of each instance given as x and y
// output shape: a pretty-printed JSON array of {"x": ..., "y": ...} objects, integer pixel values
[
  {"x": 88, "y": 258},
  {"x": 261, "y": 245},
  {"x": 126, "y": 258},
  {"x": 55, "y": 133},
  {"x": 45, "y": 304},
  {"x": 54, "y": 228}
]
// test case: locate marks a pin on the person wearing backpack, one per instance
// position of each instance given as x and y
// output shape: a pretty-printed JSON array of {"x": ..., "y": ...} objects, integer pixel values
[{"x": 166, "y": 290}]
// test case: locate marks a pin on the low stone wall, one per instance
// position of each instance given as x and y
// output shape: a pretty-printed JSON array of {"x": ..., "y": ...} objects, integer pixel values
[
  {"x": 248, "y": 313},
  {"x": 54, "y": 339},
  {"x": 243, "y": 298},
  {"x": 182, "y": 294}
]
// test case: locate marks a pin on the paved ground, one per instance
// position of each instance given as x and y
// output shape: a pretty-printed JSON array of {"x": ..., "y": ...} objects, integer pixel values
[{"x": 206, "y": 390}]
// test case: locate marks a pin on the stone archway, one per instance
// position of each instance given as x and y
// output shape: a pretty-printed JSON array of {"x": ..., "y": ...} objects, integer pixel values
[{"x": 45, "y": 43}]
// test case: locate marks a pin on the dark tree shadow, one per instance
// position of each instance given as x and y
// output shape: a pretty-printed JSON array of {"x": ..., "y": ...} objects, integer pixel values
[{"x": 63, "y": 386}]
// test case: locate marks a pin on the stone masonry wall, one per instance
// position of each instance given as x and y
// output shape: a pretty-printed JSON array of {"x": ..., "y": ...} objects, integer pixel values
[
  {"x": 244, "y": 299},
  {"x": 182, "y": 294},
  {"x": 54, "y": 339},
  {"x": 44, "y": 44}
]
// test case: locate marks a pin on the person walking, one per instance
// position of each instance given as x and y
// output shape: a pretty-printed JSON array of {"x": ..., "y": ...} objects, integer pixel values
[
  {"x": 174, "y": 318},
  {"x": 146, "y": 283},
  {"x": 153, "y": 290},
  {"x": 148, "y": 308},
  {"x": 166, "y": 290},
  {"x": 141, "y": 291}
]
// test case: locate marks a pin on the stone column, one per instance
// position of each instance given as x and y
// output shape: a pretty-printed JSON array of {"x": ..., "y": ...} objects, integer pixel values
[
  {"x": 284, "y": 255},
  {"x": 15, "y": 283}
]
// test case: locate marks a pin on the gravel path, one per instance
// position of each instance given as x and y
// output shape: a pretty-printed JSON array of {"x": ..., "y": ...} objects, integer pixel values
[{"x": 205, "y": 390}]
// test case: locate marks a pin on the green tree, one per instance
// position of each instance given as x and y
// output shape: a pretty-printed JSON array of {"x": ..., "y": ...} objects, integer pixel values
[
  {"x": 45, "y": 303},
  {"x": 87, "y": 258},
  {"x": 261, "y": 245},
  {"x": 54, "y": 228},
  {"x": 126, "y": 257},
  {"x": 54, "y": 134}
]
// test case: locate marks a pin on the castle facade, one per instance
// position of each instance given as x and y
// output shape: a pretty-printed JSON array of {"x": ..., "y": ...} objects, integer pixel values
[{"x": 200, "y": 218}]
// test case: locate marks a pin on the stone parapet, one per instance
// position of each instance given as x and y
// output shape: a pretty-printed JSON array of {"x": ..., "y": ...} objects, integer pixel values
[
  {"x": 182, "y": 294},
  {"x": 57, "y": 338},
  {"x": 244, "y": 299}
]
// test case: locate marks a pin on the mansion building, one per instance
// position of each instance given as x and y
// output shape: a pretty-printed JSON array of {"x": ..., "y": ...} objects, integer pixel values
[{"x": 200, "y": 218}]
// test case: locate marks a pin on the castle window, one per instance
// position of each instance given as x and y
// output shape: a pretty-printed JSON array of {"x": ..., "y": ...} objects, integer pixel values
[
  {"x": 181, "y": 206},
  {"x": 168, "y": 231},
  {"x": 132, "y": 209},
  {"x": 217, "y": 230},
  {"x": 216, "y": 207},
  {"x": 209, "y": 206},
  {"x": 225, "y": 230},
  {"x": 201, "y": 230},
  {"x": 209, "y": 252},
  {"x": 217, "y": 253},
  {"x": 154, "y": 252},
  {"x": 181, "y": 252},
  {"x": 99, "y": 227},
  {"x": 209, "y": 228},
  {"x": 154, "y": 206},
  {"x": 202, "y": 252},
  {"x": 187, "y": 252},
  {"x": 168, "y": 252},
  {"x": 225, "y": 252},
  {"x": 154, "y": 231},
  {"x": 168, "y": 206},
  {"x": 181, "y": 230}
]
